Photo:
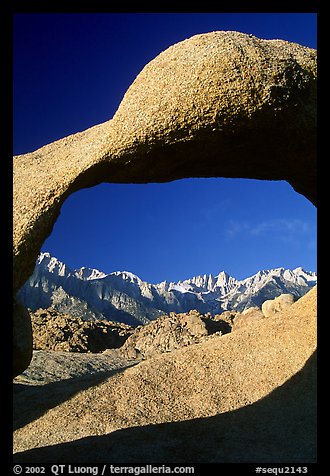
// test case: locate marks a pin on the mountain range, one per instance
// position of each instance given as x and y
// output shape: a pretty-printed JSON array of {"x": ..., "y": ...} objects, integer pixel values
[{"x": 123, "y": 297}]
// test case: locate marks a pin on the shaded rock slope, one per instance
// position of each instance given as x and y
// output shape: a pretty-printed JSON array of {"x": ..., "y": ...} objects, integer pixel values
[{"x": 247, "y": 396}]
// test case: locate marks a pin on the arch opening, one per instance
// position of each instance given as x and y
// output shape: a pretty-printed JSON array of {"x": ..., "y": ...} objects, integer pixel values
[
  {"x": 149, "y": 245},
  {"x": 210, "y": 213}
]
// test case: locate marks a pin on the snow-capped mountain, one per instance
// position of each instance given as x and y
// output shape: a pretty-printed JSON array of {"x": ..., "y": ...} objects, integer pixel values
[{"x": 124, "y": 297}]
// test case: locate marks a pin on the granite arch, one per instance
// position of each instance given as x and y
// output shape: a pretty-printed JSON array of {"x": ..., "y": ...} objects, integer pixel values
[{"x": 221, "y": 104}]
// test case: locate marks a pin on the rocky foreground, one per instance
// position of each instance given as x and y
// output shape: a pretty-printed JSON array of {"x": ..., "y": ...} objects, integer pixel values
[
  {"x": 244, "y": 396},
  {"x": 53, "y": 330}
]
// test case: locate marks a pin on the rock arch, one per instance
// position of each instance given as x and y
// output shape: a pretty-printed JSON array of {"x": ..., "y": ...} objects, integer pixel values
[{"x": 220, "y": 104}]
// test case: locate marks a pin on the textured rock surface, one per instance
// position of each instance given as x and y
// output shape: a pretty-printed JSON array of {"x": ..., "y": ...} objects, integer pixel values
[
  {"x": 232, "y": 398},
  {"x": 219, "y": 104},
  {"x": 246, "y": 318},
  {"x": 56, "y": 331},
  {"x": 171, "y": 332},
  {"x": 271, "y": 306},
  {"x": 49, "y": 366}
]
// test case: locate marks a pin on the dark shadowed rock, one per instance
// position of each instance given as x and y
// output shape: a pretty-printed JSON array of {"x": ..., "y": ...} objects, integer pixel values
[{"x": 22, "y": 338}]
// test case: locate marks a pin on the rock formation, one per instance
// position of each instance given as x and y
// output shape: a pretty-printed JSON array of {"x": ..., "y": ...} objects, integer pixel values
[
  {"x": 220, "y": 104},
  {"x": 53, "y": 330},
  {"x": 56, "y": 331},
  {"x": 271, "y": 306},
  {"x": 247, "y": 396},
  {"x": 247, "y": 317},
  {"x": 171, "y": 332}
]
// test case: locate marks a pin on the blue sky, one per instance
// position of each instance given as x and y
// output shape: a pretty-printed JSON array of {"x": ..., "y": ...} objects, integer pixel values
[{"x": 71, "y": 72}]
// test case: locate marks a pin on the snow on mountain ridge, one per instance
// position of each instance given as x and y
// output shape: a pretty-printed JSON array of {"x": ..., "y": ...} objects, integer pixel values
[
  {"x": 123, "y": 296},
  {"x": 46, "y": 261},
  {"x": 128, "y": 276},
  {"x": 89, "y": 274},
  {"x": 204, "y": 283},
  {"x": 52, "y": 264}
]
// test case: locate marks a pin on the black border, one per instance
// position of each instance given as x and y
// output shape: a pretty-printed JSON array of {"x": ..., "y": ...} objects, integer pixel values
[{"x": 6, "y": 191}]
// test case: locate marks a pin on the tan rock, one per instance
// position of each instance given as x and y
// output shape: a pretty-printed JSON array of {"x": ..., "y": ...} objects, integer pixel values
[
  {"x": 171, "y": 332},
  {"x": 247, "y": 317},
  {"x": 220, "y": 104},
  {"x": 271, "y": 306},
  {"x": 55, "y": 331},
  {"x": 240, "y": 388}
]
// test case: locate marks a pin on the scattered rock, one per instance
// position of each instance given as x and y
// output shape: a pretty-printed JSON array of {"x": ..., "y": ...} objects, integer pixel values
[
  {"x": 168, "y": 333},
  {"x": 272, "y": 306},
  {"x": 56, "y": 331},
  {"x": 247, "y": 317}
]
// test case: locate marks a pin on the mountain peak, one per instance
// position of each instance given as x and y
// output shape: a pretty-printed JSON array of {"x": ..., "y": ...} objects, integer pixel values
[
  {"x": 52, "y": 264},
  {"x": 122, "y": 296},
  {"x": 42, "y": 256},
  {"x": 128, "y": 276},
  {"x": 89, "y": 274},
  {"x": 223, "y": 276}
]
